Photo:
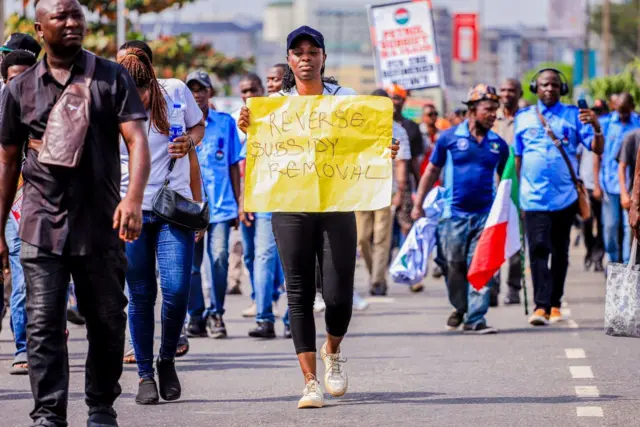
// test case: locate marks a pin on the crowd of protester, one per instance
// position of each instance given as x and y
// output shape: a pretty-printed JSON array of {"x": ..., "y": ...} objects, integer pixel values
[{"x": 66, "y": 220}]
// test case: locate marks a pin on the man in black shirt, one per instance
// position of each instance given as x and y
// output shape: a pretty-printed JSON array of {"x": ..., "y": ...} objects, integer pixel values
[{"x": 73, "y": 221}]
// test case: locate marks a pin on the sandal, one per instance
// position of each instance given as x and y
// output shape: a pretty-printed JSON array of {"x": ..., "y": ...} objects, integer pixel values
[
  {"x": 20, "y": 366},
  {"x": 129, "y": 357},
  {"x": 183, "y": 346}
]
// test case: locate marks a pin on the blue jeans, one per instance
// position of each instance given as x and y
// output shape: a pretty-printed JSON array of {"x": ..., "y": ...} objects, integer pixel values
[
  {"x": 261, "y": 259},
  {"x": 458, "y": 238},
  {"x": 249, "y": 241},
  {"x": 218, "y": 249},
  {"x": 173, "y": 247},
  {"x": 19, "y": 289},
  {"x": 615, "y": 219}
]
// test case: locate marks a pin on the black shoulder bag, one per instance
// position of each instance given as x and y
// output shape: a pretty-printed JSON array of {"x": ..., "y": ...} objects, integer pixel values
[{"x": 177, "y": 209}]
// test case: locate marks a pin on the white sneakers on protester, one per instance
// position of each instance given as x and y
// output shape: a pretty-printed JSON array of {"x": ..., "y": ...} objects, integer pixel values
[
  {"x": 311, "y": 396},
  {"x": 335, "y": 379}
]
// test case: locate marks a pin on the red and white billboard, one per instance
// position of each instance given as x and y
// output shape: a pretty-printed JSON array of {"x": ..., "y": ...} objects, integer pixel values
[{"x": 465, "y": 37}]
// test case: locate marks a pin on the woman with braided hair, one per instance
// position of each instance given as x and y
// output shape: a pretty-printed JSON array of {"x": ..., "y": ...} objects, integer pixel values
[{"x": 170, "y": 244}]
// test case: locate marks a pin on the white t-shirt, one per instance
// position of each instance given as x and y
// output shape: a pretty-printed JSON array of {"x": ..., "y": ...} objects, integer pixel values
[
  {"x": 180, "y": 177},
  {"x": 404, "y": 150}
]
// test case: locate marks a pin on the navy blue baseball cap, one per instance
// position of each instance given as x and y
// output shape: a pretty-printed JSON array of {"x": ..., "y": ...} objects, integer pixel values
[
  {"x": 305, "y": 32},
  {"x": 21, "y": 41},
  {"x": 201, "y": 77}
]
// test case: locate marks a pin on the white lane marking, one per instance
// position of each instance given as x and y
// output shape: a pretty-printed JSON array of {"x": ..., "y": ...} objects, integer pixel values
[
  {"x": 589, "y": 411},
  {"x": 580, "y": 372},
  {"x": 587, "y": 391},
  {"x": 380, "y": 300},
  {"x": 566, "y": 312},
  {"x": 575, "y": 353},
  {"x": 572, "y": 324}
]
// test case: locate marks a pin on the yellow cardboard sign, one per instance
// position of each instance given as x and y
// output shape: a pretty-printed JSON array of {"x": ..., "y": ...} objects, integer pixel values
[{"x": 318, "y": 154}]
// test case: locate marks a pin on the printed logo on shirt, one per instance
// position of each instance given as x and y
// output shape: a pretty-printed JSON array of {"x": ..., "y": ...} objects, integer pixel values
[
  {"x": 463, "y": 144},
  {"x": 220, "y": 152},
  {"x": 533, "y": 132},
  {"x": 495, "y": 148}
]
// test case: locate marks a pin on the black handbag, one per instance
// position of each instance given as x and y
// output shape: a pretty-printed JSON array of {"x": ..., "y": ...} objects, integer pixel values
[{"x": 177, "y": 209}]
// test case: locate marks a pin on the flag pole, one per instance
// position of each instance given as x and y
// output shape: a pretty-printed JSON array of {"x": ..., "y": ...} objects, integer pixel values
[{"x": 523, "y": 269}]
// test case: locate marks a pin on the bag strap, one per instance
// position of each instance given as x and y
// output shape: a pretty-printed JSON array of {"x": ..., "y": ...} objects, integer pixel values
[
  {"x": 558, "y": 144},
  {"x": 90, "y": 67},
  {"x": 172, "y": 164}
]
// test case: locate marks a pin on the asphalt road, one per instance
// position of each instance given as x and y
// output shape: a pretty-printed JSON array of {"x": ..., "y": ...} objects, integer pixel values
[{"x": 404, "y": 369}]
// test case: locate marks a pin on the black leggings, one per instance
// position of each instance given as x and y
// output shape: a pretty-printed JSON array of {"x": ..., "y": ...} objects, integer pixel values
[{"x": 331, "y": 238}]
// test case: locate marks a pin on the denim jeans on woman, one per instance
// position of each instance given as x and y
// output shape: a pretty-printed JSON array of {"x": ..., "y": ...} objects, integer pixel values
[
  {"x": 262, "y": 261},
  {"x": 173, "y": 247},
  {"x": 217, "y": 238},
  {"x": 458, "y": 237},
  {"x": 615, "y": 222},
  {"x": 19, "y": 289}
]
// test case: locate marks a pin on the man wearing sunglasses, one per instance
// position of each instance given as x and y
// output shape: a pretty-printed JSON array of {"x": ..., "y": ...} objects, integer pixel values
[{"x": 471, "y": 154}]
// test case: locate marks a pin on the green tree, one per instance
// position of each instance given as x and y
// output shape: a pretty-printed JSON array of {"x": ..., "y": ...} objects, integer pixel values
[
  {"x": 174, "y": 56},
  {"x": 625, "y": 18},
  {"x": 566, "y": 69},
  {"x": 626, "y": 81}
]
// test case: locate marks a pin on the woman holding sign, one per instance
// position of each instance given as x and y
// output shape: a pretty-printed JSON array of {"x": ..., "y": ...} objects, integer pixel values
[{"x": 304, "y": 237}]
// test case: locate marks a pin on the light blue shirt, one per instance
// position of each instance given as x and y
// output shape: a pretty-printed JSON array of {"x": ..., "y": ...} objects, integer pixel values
[
  {"x": 219, "y": 150},
  {"x": 545, "y": 182},
  {"x": 614, "y": 132},
  {"x": 243, "y": 156}
]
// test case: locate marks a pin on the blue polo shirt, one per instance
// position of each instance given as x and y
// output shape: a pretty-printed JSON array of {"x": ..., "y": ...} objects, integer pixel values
[
  {"x": 220, "y": 148},
  {"x": 545, "y": 182},
  {"x": 470, "y": 168},
  {"x": 614, "y": 132}
]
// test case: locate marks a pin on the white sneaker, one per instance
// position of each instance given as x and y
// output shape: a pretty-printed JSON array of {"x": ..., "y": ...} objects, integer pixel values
[
  {"x": 250, "y": 311},
  {"x": 319, "y": 306},
  {"x": 359, "y": 304},
  {"x": 311, "y": 396},
  {"x": 335, "y": 379}
]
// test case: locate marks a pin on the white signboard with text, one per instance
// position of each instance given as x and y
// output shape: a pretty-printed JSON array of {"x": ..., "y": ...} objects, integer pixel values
[{"x": 404, "y": 45}]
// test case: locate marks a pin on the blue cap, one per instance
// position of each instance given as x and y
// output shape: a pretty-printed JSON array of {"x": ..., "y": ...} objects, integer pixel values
[{"x": 305, "y": 32}]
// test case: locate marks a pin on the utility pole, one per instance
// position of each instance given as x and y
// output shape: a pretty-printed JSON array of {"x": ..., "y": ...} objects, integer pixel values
[
  {"x": 586, "y": 55},
  {"x": 121, "y": 23},
  {"x": 606, "y": 36},
  {"x": 638, "y": 19},
  {"x": 2, "y": 20}
]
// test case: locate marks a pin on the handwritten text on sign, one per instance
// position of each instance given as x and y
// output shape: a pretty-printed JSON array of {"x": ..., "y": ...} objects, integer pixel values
[{"x": 318, "y": 154}]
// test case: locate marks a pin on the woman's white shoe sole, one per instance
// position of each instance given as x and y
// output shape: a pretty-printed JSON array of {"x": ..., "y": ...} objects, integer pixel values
[{"x": 309, "y": 404}]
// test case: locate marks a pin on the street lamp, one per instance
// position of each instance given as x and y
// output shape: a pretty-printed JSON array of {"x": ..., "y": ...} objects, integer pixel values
[{"x": 121, "y": 38}]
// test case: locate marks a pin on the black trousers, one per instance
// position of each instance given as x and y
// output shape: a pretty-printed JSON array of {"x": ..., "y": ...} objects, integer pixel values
[
  {"x": 548, "y": 234},
  {"x": 331, "y": 239},
  {"x": 594, "y": 244},
  {"x": 99, "y": 285},
  {"x": 514, "y": 280}
]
